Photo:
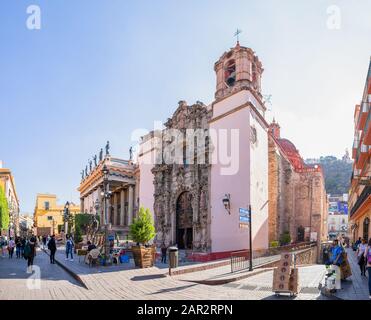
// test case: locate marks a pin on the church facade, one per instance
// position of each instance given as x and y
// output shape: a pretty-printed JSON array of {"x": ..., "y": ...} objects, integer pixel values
[
  {"x": 209, "y": 162},
  {"x": 298, "y": 204}
]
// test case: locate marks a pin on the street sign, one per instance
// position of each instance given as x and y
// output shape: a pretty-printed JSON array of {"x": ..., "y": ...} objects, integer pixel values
[{"x": 244, "y": 216}]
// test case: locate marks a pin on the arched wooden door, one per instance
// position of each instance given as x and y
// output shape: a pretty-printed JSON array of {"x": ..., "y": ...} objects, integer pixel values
[{"x": 184, "y": 221}]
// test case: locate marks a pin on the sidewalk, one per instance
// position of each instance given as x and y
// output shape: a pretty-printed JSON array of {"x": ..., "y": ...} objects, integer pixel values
[{"x": 356, "y": 286}]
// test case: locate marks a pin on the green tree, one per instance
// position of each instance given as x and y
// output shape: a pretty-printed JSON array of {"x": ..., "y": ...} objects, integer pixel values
[
  {"x": 4, "y": 211},
  {"x": 143, "y": 230}
]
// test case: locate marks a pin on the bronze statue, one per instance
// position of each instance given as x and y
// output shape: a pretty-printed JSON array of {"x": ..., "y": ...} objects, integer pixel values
[
  {"x": 101, "y": 154},
  {"x": 107, "y": 148},
  {"x": 82, "y": 175},
  {"x": 95, "y": 160},
  {"x": 86, "y": 171},
  {"x": 91, "y": 165},
  {"x": 131, "y": 153}
]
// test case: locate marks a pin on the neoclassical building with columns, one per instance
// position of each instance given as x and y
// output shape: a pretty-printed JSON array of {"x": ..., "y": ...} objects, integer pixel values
[{"x": 123, "y": 204}]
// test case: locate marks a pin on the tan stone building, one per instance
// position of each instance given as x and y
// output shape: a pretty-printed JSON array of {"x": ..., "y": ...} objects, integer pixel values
[
  {"x": 297, "y": 195},
  {"x": 123, "y": 204}
]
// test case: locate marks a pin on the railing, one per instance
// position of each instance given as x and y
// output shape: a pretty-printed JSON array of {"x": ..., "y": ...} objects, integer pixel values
[
  {"x": 362, "y": 198},
  {"x": 240, "y": 260}
]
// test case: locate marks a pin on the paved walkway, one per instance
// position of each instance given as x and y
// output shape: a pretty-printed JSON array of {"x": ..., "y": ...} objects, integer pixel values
[
  {"x": 140, "y": 284},
  {"x": 356, "y": 286}
]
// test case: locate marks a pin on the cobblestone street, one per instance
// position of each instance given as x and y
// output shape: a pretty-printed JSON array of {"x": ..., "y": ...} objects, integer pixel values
[{"x": 142, "y": 284}]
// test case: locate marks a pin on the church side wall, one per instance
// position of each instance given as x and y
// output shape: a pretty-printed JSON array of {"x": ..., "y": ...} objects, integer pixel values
[
  {"x": 259, "y": 185},
  {"x": 226, "y": 234}
]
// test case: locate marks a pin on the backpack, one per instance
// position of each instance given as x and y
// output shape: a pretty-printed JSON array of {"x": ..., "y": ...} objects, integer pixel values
[{"x": 27, "y": 251}]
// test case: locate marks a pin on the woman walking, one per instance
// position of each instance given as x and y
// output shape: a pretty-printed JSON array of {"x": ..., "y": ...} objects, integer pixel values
[
  {"x": 368, "y": 260},
  {"x": 11, "y": 246},
  {"x": 30, "y": 252},
  {"x": 361, "y": 256}
]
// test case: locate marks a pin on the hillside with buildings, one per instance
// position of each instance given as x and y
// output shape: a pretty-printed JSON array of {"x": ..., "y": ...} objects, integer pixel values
[{"x": 337, "y": 172}]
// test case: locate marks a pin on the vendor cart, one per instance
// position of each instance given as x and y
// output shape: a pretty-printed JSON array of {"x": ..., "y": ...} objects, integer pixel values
[{"x": 285, "y": 277}]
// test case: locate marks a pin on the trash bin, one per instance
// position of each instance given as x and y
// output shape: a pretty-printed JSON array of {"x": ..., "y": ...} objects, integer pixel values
[{"x": 173, "y": 257}]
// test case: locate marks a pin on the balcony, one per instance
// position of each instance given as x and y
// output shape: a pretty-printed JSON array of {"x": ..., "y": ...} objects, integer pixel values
[
  {"x": 363, "y": 115},
  {"x": 367, "y": 131},
  {"x": 362, "y": 156},
  {"x": 365, "y": 195},
  {"x": 355, "y": 148}
]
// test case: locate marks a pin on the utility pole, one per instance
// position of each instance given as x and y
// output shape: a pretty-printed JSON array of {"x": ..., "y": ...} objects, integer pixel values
[{"x": 250, "y": 238}]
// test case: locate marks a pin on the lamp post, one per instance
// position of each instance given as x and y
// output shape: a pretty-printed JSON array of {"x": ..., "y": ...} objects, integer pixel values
[
  {"x": 66, "y": 217},
  {"x": 106, "y": 194}
]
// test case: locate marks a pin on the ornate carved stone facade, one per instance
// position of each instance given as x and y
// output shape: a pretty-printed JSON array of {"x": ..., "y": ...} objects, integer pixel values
[{"x": 181, "y": 197}]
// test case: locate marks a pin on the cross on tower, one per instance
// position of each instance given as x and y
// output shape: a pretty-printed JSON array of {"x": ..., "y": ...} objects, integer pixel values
[{"x": 237, "y": 34}]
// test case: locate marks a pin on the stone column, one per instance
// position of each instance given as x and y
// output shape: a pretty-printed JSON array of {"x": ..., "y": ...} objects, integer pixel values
[
  {"x": 122, "y": 209},
  {"x": 115, "y": 211},
  {"x": 100, "y": 209},
  {"x": 131, "y": 204},
  {"x": 82, "y": 205}
]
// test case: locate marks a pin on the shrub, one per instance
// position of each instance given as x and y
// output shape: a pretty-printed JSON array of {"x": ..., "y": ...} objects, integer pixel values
[
  {"x": 275, "y": 244},
  {"x": 142, "y": 230},
  {"x": 285, "y": 238}
]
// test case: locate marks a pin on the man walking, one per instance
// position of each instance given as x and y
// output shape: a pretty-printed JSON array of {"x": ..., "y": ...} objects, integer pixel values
[
  {"x": 69, "y": 248},
  {"x": 163, "y": 252},
  {"x": 53, "y": 248}
]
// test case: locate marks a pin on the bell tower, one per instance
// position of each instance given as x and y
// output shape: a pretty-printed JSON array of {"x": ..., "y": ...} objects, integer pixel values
[{"x": 238, "y": 69}]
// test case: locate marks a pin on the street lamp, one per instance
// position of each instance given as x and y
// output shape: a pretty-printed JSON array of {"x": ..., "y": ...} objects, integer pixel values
[
  {"x": 227, "y": 202},
  {"x": 106, "y": 194},
  {"x": 66, "y": 217}
]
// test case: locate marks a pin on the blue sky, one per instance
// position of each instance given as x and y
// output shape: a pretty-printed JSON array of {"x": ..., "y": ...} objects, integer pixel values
[{"x": 97, "y": 70}]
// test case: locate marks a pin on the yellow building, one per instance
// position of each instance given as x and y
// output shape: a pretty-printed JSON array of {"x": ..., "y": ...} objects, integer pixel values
[{"x": 48, "y": 215}]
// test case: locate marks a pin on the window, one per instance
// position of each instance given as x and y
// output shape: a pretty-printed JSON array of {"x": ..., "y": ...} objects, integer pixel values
[
  {"x": 46, "y": 205},
  {"x": 230, "y": 73},
  {"x": 50, "y": 218}
]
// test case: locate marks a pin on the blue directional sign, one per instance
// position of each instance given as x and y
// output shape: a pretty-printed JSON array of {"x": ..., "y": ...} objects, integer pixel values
[{"x": 244, "y": 216}]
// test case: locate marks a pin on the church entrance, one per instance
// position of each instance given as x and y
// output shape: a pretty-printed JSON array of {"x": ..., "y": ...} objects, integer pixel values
[
  {"x": 184, "y": 221},
  {"x": 301, "y": 234}
]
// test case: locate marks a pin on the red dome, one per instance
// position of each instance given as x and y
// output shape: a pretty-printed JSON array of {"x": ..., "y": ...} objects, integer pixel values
[
  {"x": 292, "y": 153},
  {"x": 288, "y": 146}
]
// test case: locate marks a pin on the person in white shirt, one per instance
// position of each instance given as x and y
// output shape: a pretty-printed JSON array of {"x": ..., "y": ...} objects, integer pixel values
[{"x": 361, "y": 256}]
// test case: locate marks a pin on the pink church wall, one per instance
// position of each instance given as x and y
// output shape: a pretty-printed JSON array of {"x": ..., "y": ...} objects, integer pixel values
[{"x": 225, "y": 232}]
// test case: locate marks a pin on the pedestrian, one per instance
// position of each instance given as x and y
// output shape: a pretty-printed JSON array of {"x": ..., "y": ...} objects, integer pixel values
[
  {"x": 18, "y": 246},
  {"x": 69, "y": 248},
  {"x": 11, "y": 246},
  {"x": 44, "y": 242},
  {"x": 30, "y": 252},
  {"x": 52, "y": 246},
  {"x": 361, "y": 256},
  {"x": 23, "y": 244},
  {"x": 368, "y": 260},
  {"x": 357, "y": 243},
  {"x": 2, "y": 245},
  {"x": 163, "y": 252}
]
